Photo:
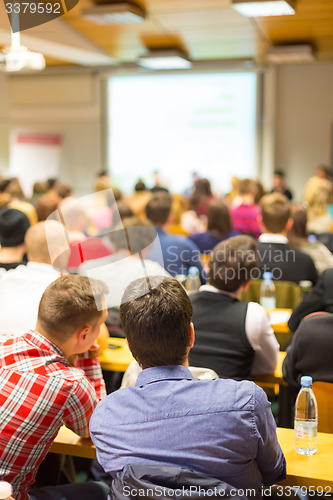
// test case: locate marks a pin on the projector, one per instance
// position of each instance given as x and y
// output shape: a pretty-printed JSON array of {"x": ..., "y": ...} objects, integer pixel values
[{"x": 17, "y": 59}]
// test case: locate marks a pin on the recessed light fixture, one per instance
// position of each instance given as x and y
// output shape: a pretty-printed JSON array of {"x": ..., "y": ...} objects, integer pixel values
[
  {"x": 261, "y": 8},
  {"x": 159, "y": 59},
  {"x": 283, "y": 54},
  {"x": 115, "y": 13}
]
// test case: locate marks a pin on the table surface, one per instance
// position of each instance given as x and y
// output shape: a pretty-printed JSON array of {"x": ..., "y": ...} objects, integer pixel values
[
  {"x": 301, "y": 470},
  {"x": 117, "y": 356},
  {"x": 273, "y": 378}
]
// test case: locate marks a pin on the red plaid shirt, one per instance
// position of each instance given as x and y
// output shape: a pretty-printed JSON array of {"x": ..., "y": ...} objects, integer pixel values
[{"x": 39, "y": 392}]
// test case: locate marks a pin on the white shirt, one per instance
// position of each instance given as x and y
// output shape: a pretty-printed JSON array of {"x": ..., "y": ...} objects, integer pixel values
[
  {"x": 272, "y": 238},
  {"x": 259, "y": 334},
  {"x": 20, "y": 292}
]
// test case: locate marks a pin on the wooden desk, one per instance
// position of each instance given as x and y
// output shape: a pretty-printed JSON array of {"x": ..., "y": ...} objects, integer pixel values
[
  {"x": 117, "y": 356},
  {"x": 273, "y": 378},
  {"x": 69, "y": 443},
  {"x": 308, "y": 471},
  {"x": 301, "y": 470}
]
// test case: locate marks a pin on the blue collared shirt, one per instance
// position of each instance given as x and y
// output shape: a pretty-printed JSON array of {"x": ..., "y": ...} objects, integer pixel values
[
  {"x": 178, "y": 254},
  {"x": 221, "y": 428}
]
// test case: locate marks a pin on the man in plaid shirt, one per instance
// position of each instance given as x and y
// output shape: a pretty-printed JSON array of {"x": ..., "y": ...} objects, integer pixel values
[{"x": 39, "y": 389}]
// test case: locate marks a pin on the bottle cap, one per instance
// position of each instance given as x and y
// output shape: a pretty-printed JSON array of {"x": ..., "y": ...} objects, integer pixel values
[
  {"x": 267, "y": 275},
  {"x": 305, "y": 285},
  {"x": 306, "y": 381},
  {"x": 193, "y": 270},
  {"x": 312, "y": 238},
  {"x": 6, "y": 489}
]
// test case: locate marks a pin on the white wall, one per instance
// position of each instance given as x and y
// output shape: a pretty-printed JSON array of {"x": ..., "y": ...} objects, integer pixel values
[
  {"x": 304, "y": 120},
  {"x": 72, "y": 105},
  {"x": 66, "y": 104}
]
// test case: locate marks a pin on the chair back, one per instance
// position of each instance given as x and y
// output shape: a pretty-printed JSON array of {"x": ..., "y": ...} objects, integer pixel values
[
  {"x": 287, "y": 293},
  {"x": 324, "y": 396}
]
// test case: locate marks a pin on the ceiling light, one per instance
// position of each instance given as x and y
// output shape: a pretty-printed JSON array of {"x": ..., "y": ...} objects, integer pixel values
[
  {"x": 16, "y": 57},
  {"x": 260, "y": 8},
  {"x": 281, "y": 54},
  {"x": 165, "y": 59},
  {"x": 115, "y": 13}
]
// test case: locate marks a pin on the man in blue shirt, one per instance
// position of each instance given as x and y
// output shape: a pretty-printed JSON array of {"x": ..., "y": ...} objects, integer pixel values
[
  {"x": 178, "y": 253},
  {"x": 221, "y": 428}
]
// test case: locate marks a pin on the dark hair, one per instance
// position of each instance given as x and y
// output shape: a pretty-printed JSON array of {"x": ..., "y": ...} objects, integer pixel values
[
  {"x": 158, "y": 208},
  {"x": 275, "y": 211},
  {"x": 231, "y": 263},
  {"x": 133, "y": 234},
  {"x": 64, "y": 189},
  {"x": 140, "y": 186},
  {"x": 202, "y": 191},
  {"x": 70, "y": 302},
  {"x": 218, "y": 218},
  {"x": 280, "y": 173},
  {"x": 155, "y": 315}
]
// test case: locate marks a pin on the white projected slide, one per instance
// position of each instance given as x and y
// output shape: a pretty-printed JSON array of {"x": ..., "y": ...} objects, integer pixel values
[{"x": 178, "y": 124}]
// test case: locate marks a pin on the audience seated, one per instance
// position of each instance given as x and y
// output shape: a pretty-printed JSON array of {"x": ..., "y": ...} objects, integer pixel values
[
  {"x": 131, "y": 240},
  {"x": 22, "y": 288},
  {"x": 321, "y": 299},
  {"x": 13, "y": 226},
  {"x": 218, "y": 227},
  {"x": 12, "y": 187},
  {"x": 221, "y": 428},
  {"x": 311, "y": 350},
  {"x": 233, "y": 337},
  {"x": 40, "y": 390},
  {"x": 245, "y": 216},
  {"x": 300, "y": 239},
  {"x": 274, "y": 252},
  {"x": 178, "y": 253}
]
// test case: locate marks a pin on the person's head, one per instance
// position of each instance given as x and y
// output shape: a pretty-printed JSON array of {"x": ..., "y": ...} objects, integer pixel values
[
  {"x": 275, "y": 212},
  {"x": 52, "y": 183},
  {"x": 158, "y": 208},
  {"x": 14, "y": 188},
  {"x": 46, "y": 243},
  {"x": 318, "y": 201},
  {"x": 231, "y": 263},
  {"x": 278, "y": 179},
  {"x": 47, "y": 204},
  {"x": 156, "y": 318},
  {"x": 246, "y": 187},
  {"x": 218, "y": 217},
  {"x": 13, "y": 226},
  {"x": 64, "y": 190},
  {"x": 324, "y": 172},
  {"x": 71, "y": 311},
  {"x": 133, "y": 235},
  {"x": 140, "y": 186},
  {"x": 72, "y": 213},
  {"x": 203, "y": 187},
  {"x": 300, "y": 219}
]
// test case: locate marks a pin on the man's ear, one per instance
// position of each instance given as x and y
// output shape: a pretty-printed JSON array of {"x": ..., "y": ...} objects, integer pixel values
[
  {"x": 246, "y": 285},
  {"x": 82, "y": 333},
  {"x": 191, "y": 335}
]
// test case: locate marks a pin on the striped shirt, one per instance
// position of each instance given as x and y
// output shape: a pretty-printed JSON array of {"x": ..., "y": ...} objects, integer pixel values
[{"x": 39, "y": 392}]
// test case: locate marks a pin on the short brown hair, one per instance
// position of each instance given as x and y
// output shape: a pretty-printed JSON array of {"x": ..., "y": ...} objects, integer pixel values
[
  {"x": 218, "y": 217},
  {"x": 231, "y": 263},
  {"x": 70, "y": 302},
  {"x": 275, "y": 212},
  {"x": 158, "y": 208},
  {"x": 155, "y": 315},
  {"x": 246, "y": 186}
]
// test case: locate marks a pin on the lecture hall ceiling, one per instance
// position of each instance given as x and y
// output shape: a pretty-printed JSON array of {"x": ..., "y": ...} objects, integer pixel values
[{"x": 207, "y": 29}]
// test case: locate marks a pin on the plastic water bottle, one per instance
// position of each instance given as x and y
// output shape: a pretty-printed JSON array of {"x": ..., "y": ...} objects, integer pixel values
[
  {"x": 6, "y": 491},
  {"x": 267, "y": 292},
  {"x": 306, "y": 419},
  {"x": 193, "y": 282}
]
